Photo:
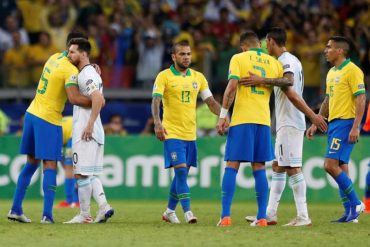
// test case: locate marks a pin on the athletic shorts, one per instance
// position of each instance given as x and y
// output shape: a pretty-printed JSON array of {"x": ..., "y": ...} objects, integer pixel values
[
  {"x": 41, "y": 139},
  {"x": 338, "y": 146},
  {"x": 288, "y": 146},
  {"x": 180, "y": 152},
  {"x": 249, "y": 143},
  {"x": 87, "y": 158},
  {"x": 67, "y": 156}
]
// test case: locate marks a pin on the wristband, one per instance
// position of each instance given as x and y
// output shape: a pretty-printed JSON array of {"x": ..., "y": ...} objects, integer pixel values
[{"x": 223, "y": 112}]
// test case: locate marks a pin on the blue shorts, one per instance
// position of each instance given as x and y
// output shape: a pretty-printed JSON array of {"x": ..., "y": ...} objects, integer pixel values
[
  {"x": 178, "y": 151},
  {"x": 338, "y": 146},
  {"x": 67, "y": 156},
  {"x": 41, "y": 139},
  {"x": 249, "y": 143}
]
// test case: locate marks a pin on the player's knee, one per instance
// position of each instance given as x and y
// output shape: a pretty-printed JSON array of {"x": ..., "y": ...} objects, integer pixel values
[{"x": 293, "y": 171}]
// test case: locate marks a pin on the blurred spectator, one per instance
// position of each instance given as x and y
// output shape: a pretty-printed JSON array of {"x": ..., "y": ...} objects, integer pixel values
[
  {"x": 7, "y": 7},
  {"x": 38, "y": 54},
  {"x": 6, "y": 40},
  {"x": 15, "y": 61},
  {"x": 4, "y": 123},
  {"x": 31, "y": 12},
  {"x": 149, "y": 127},
  {"x": 115, "y": 126}
]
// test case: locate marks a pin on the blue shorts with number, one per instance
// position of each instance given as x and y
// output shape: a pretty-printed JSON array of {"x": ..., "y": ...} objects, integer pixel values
[
  {"x": 249, "y": 143},
  {"x": 178, "y": 152},
  {"x": 338, "y": 146},
  {"x": 67, "y": 157},
  {"x": 41, "y": 139}
]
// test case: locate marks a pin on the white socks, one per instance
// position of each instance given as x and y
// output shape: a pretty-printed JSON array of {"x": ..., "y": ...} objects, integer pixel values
[
  {"x": 98, "y": 192},
  {"x": 278, "y": 182},
  {"x": 298, "y": 185},
  {"x": 84, "y": 194}
]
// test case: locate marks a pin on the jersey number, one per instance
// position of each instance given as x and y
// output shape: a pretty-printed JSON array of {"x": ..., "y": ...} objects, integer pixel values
[
  {"x": 335, "y": 144},
  {"x": 44, "y": 80},
  {"x": 263, "y": 74},
  {"x": 185, "y": 96}
]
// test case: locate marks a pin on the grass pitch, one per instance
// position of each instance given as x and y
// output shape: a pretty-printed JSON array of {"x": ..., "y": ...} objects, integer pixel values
[{"x": 138, "y": 223}]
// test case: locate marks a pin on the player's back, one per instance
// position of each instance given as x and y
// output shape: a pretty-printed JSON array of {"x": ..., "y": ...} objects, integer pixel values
[
  {"x": 286, "y": 113},
  {"x": 252, "y": 103},
  {"x": 51, "y": 96}
]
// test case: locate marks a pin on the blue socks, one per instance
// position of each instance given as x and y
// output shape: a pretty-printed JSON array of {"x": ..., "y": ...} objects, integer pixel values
[
  {"x": 182, "y": 188},
  {"x": 345, "y": 184},
  {"x": 70, "y": 190},
  {"x": 24, "y": 180},
  {"x": 49, "y": 187},
  {"x": 261, "y": 187},
  {"x": 228, "y": 190},
  {"x": 367, "y": 185},
  {"x": 346, "y": 202},
  {"x": 172, "y": 198}
]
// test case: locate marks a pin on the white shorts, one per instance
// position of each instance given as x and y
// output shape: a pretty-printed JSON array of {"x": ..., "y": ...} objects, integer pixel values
[
  {"x": 87, "y": 158},
  {"x": 288, "y": 146}
]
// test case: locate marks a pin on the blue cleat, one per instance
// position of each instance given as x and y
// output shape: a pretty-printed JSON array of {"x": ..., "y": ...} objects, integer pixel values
[
  {"x": 342, "y": 219},
  {"x": 355, "y": 213},
  {"x": 47, "y": 220}
]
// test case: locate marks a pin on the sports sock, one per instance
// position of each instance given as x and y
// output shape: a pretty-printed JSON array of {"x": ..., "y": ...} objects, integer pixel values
[
  {"x": 345, "y": 184},
  {"x": 345, "y": 201},
  {"x": 298, "y": 185},
  {"x": 49, "y": 187},
  {"x": 261, "y": 188},
  {"x": 84, "y": 195},
  {"x": 228, "y": 190},
  {"x": 69, "y": 188},
  {"x": 75, "y": 192},
  {"x": 367, "y": 186},
  {"x": 278, "y": 182},
  {"x": 172, "y": 198},
  {"x": 98, "y": 191},
  {"x": 182, "y": 188},
  {"x": 23, "y": 182}
]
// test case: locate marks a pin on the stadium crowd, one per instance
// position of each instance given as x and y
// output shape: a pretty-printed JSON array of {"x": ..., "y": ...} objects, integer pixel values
[{"x": 131, "y": 39}]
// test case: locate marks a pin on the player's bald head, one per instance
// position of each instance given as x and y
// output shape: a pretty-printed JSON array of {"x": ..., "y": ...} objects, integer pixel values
[
  {"x": 249, "y": 38},
  {"x": 341, "y": 42}
]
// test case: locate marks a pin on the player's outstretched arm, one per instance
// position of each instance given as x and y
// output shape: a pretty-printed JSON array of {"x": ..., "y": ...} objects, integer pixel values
[
  {"x": 228, "y": 99},
  {"x": 75, "y": 98},
  {"x": 301, "y": 105},
  {"x": 354, "y": 134},
  {"x": 159, "y": 130},
  {"x": 213, "y": 105},
  {"x": 97, "y": 102},
  {"x": 254, "y": 80},
  {"x": 324, "y": 109}
]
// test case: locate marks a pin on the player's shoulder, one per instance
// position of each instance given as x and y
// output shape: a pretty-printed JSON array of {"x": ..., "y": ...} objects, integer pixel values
[
  {"x": 196, "y": 73},
  {"x": 354, "y": 68},
  {"x": 88, "y": 71}
]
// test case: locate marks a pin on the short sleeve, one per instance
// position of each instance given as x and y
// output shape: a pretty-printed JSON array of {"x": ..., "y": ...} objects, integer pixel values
[
  {"x": 70, "y": 78},
  {"x": 159, "y": 85},
  {"x": 234, "y": 70},
  {"x": 203, "y": 83},
  {"x": 287, "y": 65},
  {"x": 90, "y": 85},
  {"x": 356, "y": 82}
]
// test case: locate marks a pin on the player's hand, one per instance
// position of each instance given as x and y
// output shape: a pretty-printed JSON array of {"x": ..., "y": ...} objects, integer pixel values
[
  {"x": 311, "y": 131},
  {"x": 354, "y": 135},
  {"x": 97, "y": 68},
  {"x": 87, "y": 133},
  {"x": 251, "y": 80},
  {"x": 160, "y": 131},
  {"x": 221, "y": 126},
  {"x": 319, "y": 121}
]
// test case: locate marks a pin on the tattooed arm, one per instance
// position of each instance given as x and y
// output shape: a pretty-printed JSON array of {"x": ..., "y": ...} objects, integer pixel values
[
  {"x": 228, "y": 99},
  {"x": 160, "y": 132}
]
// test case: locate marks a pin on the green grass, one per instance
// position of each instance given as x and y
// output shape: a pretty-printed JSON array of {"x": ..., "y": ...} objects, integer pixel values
[{"x": 138, "y": 223}]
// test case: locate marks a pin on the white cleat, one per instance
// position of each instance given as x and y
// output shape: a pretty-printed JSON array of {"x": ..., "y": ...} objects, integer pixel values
[
  {"x": 300, "y": 221},
  {"x": 104, "y": 214},
  {"x": 190, "y": 218},
  {"x": 170, "y": 217},
  {"x": 80, "y": 219},
  {"x": 271, "y": 220},
  {"x": 20, "y": 218}
]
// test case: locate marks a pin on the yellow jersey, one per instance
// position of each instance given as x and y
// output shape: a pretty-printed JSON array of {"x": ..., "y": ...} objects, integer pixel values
[
  {"x": 252, "y": 103},
  {"x": 179, "y": 95},
  {"x": 51, "y": 95},
  {"x": 67, "y": 128},
  {"x": 342, "y": 87}
]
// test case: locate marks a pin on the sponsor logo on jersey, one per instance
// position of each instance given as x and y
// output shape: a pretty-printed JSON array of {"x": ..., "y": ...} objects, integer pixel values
[
  {"x": 89, "y": 81},
  {"x": 286, "y": 66},
  {"x": 361, "y": 86},
  {"x": 73, "y": 78}
]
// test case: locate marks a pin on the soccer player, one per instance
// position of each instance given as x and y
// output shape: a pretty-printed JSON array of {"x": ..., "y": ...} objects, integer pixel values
[
  {"x": 290, "y": 127},
  {"x": 88, "y": 136},
  {"x": 249, "y": 137},
  {"x": 42, "y": 133},
  {"x": 344, "y": 105},
  {"x": 367, "y": 186},
  {"x": 179, "y": 87},
  {"x": 69, "y": 181}
]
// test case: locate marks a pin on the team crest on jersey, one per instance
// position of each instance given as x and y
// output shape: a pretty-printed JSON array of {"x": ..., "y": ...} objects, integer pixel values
[
  {"x": 195, "y": 85},
  {"x": 174, "y": 156},
  {"x": 337, "y": 79}
]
